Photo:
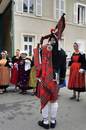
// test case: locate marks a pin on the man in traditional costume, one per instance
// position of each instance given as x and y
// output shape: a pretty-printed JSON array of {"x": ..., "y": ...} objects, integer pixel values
[{"x": 47, "y": 87}]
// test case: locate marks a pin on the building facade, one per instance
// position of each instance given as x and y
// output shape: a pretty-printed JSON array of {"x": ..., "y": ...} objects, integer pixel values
[{"x": 32, "y": 19}]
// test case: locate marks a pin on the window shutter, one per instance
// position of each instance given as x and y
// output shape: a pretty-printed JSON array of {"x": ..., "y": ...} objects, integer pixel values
[
  {"x": 57, "y": 4},
  {"x": 80, "y": 16},
  {"x": 31, "y": 6},
  {"x": 85, "y": 14},
  {"x": 56, "y": 9},
  {"x": 38, "y": 7},
  {"x": 19, "y": 5},
  {"x": 62, "y": 5},
  {"x": 76, "y": 13},
  {"x": 59, "y": 8}
]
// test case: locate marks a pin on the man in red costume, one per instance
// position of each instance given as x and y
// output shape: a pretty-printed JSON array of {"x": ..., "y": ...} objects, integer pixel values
[{"x": 47, "y": 87}]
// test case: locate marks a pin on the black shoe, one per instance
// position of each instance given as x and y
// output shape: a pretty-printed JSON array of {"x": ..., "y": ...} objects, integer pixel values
[
  {"x": 78, "y": 100},
  {"x": 24, "y": 92},
  {"x": 73, "y": 97},
  {"x": 20, "y": 92},
  {"x": 53, "y": 125},
  {"x": 5, "y": 90},
  {"x": 33, "y": 94},
  {"x": 40, "y": 123}
]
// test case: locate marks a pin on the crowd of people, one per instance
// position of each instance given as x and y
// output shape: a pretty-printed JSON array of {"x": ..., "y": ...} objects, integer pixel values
[{"x": 17, "y": 71}]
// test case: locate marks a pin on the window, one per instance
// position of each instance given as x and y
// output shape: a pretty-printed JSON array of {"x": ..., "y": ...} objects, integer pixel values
[
  {"x": 30, "y": 39},
  {"x": 25, "y": 5},
  {"x": 25, "y": 47},
  {"x": 25, "y": 38},
  {"x": 28, "y": 6},
  {"x": 28, "y": 44},
  {"x": 31, "y": 6},
  {"x": 58, "y": 8},
  {"x": 79, "y": 13},
  {"x": 30, "y": 50}
]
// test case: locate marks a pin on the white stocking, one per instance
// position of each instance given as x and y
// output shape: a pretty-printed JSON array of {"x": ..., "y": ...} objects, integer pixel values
[
  {"x": 45, "y": 114},
  {"x": 53, "y": 111}
]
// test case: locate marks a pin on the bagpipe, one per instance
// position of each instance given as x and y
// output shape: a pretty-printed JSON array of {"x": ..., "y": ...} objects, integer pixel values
[{"x": 57, "y": 32}]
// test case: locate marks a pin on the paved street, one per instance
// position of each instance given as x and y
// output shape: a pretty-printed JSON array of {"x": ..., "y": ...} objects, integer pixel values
[{"x": 21, "y": 112}]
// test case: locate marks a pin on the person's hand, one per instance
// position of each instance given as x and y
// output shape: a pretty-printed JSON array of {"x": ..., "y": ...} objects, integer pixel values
[
  {"x": 10, "y": 64},
  {"x": 81, "y": 70},
  {"x": 16, "y": 65},
  {"x": 39, "y": 79}
]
